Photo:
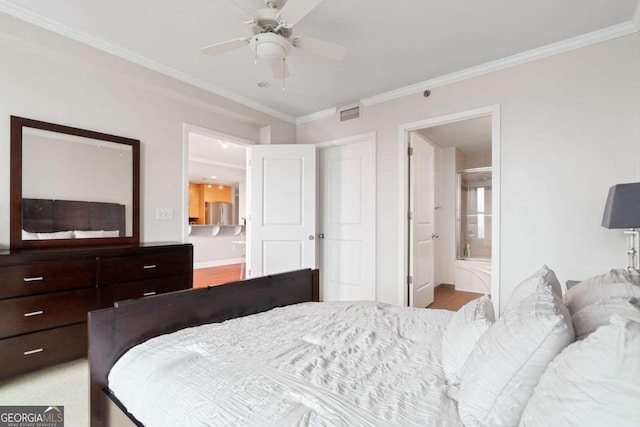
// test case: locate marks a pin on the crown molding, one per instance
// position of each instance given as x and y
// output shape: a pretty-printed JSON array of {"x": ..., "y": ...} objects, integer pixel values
[
  {"x": 51, "y": 25},
  {"x": 329, "y": 112},
  {"x": 567, "y": 45}
]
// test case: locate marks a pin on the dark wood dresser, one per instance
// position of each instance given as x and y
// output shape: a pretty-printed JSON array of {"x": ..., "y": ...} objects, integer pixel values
[{"x": 45, "y": 295}]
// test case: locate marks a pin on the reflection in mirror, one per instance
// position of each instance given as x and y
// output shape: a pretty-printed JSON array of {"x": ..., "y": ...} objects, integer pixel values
[
  {"x": 66, "y": 174},
  {"x": 72, "y": 187}
]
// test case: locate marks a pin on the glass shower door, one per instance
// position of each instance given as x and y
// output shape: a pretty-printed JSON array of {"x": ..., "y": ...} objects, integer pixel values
[{"x": 474, "y": 214}]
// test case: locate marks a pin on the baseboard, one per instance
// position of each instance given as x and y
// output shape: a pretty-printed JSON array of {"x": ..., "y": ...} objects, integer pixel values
[{"x": 218, "y": 263}]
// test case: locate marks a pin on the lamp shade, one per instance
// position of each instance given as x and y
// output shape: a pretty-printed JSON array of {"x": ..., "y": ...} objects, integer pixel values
[{"x": 623, "y": 206}]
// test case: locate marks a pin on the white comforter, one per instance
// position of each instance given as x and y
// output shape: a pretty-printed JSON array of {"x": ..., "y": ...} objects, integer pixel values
[{"x": 311, "y": 364}]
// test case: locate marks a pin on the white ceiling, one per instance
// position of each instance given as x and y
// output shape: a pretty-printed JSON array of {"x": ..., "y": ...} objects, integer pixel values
[
  {"x": 389, "y": 44},
  {"x": 472, "y": 137},
  {"x": 210, "y": 156}
]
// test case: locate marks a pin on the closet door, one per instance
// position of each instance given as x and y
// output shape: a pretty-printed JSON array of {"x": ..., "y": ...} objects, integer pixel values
[
  {"x": 348, "y": 221},
  {"x": 281, "y": 226}
]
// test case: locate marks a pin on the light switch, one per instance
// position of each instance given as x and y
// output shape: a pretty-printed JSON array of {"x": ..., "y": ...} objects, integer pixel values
[{"x": 164, "y": 214}]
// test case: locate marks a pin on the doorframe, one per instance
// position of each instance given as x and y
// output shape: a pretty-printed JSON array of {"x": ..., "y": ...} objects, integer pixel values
[
  {"x": 191, "y": 128},
  {"x": 363, "y": 137},
  {"x": 403, "y": 138}
]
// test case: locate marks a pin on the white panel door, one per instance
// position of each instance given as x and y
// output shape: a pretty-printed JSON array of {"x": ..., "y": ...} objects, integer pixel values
[
  {"x": 347, "y": 196},
  {"x": 421, "y": 200},
  {"x": 281, "y": 196}
]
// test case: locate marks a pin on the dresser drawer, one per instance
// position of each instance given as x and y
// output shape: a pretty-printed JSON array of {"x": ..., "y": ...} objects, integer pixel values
[
  {"x": 131, "y": 290},
  {"x": 34, "y": 313},
  {"x": 35, "y": 278},
  {"x": 40, "y": 349},
  {"x": 139, "y": 267}
]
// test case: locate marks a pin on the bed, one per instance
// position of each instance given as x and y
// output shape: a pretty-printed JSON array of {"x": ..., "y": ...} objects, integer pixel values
[
  {"x": 265, "y": 352},
  {"x": 47, "y": 218},
  {"x": 113, "y": 331}
]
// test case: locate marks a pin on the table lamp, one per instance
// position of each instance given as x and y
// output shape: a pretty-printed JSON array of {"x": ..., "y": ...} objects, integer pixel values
[{"x": 622, "y": 210}]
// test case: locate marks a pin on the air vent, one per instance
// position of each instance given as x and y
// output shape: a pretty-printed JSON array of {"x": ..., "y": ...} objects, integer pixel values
[{"x": 350, "y": 114}]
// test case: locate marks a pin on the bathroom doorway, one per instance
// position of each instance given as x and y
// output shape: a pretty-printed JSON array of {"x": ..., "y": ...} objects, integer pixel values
[{"x": 452, "y": 205}]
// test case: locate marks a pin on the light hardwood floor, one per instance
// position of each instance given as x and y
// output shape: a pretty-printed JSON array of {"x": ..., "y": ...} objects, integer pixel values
[
  {"x": 445, "y": 296},
  {"x": 203, "y": 277}
]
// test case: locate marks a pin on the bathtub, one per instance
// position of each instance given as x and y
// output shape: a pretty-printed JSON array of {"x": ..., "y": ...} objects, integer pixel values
[{"x": 473, "y": 276}]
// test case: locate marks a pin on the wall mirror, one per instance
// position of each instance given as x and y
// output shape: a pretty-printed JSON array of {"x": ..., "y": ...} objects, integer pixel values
[{"x": 72, "y": 187}]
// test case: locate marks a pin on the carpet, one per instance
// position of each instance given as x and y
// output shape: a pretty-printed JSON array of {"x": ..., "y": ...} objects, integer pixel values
[{"x": 65, "y": 385}]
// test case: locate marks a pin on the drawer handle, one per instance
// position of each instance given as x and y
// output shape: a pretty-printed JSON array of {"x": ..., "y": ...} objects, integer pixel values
[
  {"x": 147, "y": 267},
  {"x": 148, "y": 294},
  {"x": 37, "y": 350},
  {"x": 33, "y": 279},
  {"x": 34, "y": 313}
]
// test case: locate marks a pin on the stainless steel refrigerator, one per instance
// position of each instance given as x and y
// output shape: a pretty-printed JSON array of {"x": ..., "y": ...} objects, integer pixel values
[{"x": 218, "y": 213}]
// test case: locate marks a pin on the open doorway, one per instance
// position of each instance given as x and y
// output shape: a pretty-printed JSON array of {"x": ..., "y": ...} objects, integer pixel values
[
  {"x": 215, "y": 204},
  {"x": 451, "y": 205}
]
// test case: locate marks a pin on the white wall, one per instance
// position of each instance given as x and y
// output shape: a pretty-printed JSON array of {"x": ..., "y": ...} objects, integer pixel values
[
  {"x": 569, "y": 130},
  {"x": 47, "y": 77},
  {"x": 106, "y": 170},
  {"x": 447, "y": 183},
  {"x": 214, "y": 251}
]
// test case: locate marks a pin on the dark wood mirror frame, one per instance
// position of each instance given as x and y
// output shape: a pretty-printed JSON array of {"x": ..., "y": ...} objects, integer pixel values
[{"x": 16, "y": 201}]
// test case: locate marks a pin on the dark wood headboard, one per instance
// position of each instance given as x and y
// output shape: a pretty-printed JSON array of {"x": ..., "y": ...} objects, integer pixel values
[{"x": 48, "y": 216}]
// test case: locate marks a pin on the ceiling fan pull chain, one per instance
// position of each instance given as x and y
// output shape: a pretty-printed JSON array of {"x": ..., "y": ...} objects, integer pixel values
[
  {"x": 284, "y": 75},
  {"x": 255, "y": 56}
]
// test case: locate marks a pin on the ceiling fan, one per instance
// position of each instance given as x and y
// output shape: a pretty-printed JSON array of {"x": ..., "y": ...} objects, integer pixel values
[{"x": 273, "y": 39}]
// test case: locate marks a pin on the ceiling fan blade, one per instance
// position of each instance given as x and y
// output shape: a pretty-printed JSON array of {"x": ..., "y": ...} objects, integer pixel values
[
  {"x": 321, "y": 47},
  {"x": 280, "y": 69},
  {"x": 218, "y": 48},
  {"x": 294, "y": 10}
]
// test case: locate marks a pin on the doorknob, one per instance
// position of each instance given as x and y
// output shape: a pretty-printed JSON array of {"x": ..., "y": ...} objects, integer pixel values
[
  {"x": 321, "y": 236},
  {"x": 435, "y": 235},
  {"x": 311, "y": 237}
]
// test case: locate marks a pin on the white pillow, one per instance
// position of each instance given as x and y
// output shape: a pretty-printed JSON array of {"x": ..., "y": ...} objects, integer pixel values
[
  {"x": 27, "y": 235},
  {"x": 56, "y": 235},
  {"x": 461, "y": 335},
  {"x": 592, "y": 383},
  {"x": 543, "y": 278},
  {"x": 591, "y": 317},
  {"x": 88, "y": 234},
  {"x": 506, "y": 364},
  {"x": 111, "y": 233},
  {"x": 616, "y": 283}
]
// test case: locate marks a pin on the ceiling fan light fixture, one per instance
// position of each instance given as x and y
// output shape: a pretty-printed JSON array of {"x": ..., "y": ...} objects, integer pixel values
[
  {"x": 272, "y": 40},
  {"x": 270, "y": 47}
]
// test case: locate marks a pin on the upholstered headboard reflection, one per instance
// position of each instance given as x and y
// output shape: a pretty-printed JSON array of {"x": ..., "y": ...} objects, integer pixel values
[{"x": 49, "y": 216}]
